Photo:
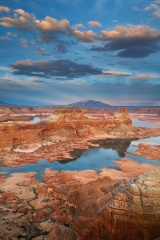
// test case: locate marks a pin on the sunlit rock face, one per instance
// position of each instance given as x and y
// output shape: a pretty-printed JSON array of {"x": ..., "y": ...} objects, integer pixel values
[
  {"x": 128, "y": 209},
  {"x": 66, "y": 122},
  {"x": 67, "y": 114},
  {"x": 72, "y": 121},
  {"x": 122, "y": 117}
]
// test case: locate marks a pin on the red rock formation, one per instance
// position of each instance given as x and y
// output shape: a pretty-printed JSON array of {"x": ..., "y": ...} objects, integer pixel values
[
  {"x": 67, "y": 207},
  {"x": 102, "y": 210},
  {"x": 68, "y": 122}
]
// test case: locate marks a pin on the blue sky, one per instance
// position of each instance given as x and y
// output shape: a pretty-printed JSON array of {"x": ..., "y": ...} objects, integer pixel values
[{"x": 62, "y": 51}]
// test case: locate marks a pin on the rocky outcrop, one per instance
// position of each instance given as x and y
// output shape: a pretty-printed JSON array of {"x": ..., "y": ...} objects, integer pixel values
[
  {"x": 121, "y": 120},
  {"x": 69, "y": 122},
  {"x": 82, "y": 125},
  {"x": 80, "y": 206},
  {"x": 100, "y": 210},
  {"x": 149, "y": 151}
]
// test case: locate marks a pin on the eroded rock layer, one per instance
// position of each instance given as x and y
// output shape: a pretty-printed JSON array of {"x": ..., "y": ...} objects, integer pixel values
[
  {"x": 68, "y": 207},
  {"x": 125, "y": 210},
  {"x": 67, "y": 122}
]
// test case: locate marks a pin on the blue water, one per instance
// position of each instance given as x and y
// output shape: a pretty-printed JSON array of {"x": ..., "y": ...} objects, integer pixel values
[
  {"x": 36, "y": 120},
  {"x": 139, "y": 123},
  {"x": 93, "y": 159},
  {"x": 152, "y": 141}
]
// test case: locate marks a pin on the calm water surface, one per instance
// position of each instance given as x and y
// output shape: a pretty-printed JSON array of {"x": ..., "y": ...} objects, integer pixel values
[
  {"x": 139, "y": 123},
  {"x": 92, "y": 159},
  {"x": 36, "y": 120}
]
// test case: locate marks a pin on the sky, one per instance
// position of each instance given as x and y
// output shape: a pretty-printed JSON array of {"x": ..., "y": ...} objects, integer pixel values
[{"x": 63, "y": 51}]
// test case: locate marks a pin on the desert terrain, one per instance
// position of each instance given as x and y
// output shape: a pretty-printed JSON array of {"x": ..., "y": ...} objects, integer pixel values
[{"x": 112, "y": 203}]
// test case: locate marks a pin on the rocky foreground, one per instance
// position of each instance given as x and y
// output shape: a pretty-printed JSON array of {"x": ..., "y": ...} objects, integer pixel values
[{"x": 67, "y": 207}]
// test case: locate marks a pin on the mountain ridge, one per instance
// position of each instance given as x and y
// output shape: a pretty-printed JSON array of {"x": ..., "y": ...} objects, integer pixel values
[
  {"x": 89, "y": 103},
  {"x": 4, "y": 104}
]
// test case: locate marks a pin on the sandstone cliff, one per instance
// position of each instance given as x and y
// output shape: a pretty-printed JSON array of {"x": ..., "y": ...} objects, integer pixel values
[
  {"x": 69, "y": 122},
  {"x": 128, "y": 210}
]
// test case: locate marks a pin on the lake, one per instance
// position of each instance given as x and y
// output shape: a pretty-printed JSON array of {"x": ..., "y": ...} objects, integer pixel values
[
  {"x": 139, "y": 123},
  {"x": 92, "y": 159},
  {"x": 36, "y": 120}
]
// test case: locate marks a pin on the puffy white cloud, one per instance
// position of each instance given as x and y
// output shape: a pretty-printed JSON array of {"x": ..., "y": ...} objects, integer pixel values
[
  {"x": 151, "y": 7},
  {"x": 51, "y": 24},
  {"x": 4, "y": 9},
  {"x": 131, "y": 32},
  {"x": 87, "y": 36},
  {"x": 155, "y": 8},
  {"x": 79, "y": 25},
  {"x": 94, "y": 24},
  {"x": 50, "y": 27},
  {"x": 21, "y": 20}
]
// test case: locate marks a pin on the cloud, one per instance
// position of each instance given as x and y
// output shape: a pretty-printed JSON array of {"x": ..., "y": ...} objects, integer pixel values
[
  {"x": 67, "y": 69},
  {"x": 131, "y": 41},
  {"x": 155, "y": 8},
  {"x": 50, "y": 27},
  {"x": 25, "y": 43},
  {"x": 8, "y": 36},
  {"x": 131, "y": 32},
  {"x": 94, "y": 24},
  {"x": 116, "y": 73},
  {"x": 21, "y": 20},
  {"x": 79, "y": 25},
  {"x": 138, "y": 52},
  {"x": 87, "y": 36},
  {"x": 145, "y": 76},
  {"x": 151, "y": 7},
  {"x": 51, "y": 24},
  {"x": 61, "y": 47},
  {"x": 4, "y": 9},
  {"x": 61, "y": 68}
]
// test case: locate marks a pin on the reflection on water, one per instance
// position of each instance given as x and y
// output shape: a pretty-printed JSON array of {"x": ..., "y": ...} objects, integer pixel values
[
  {"x": 119, "y": 145},
  {"x": 92, "y": 159},
  {"x": 139, "y": 123},
  {"x": 36, "y": 120}
]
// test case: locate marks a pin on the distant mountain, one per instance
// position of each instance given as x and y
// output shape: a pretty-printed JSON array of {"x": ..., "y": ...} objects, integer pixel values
[
  {"x": 2, "y": 103},
  {"x": 6, "y": 104},
  {"x": 89, "y": 103}
]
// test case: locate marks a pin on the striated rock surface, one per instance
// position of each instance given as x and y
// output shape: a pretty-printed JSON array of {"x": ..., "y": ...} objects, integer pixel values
[
  {"x": 127, "y": 210},
  {"x": 81, "y": 206},
  {"x": 68, "y": 122}
]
